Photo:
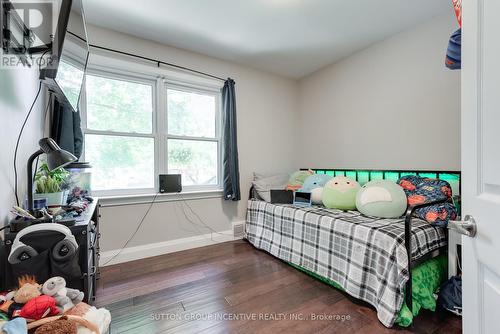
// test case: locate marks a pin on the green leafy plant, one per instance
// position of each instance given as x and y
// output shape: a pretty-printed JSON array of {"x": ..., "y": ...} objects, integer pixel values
[{"x": 47, "y": 181}]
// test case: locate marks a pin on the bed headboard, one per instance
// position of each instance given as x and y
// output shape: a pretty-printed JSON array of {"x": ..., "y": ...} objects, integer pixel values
[{"x": 365, "y": 175}]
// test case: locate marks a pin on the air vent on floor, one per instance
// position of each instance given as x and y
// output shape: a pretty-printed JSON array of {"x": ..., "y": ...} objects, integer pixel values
[{"x": 239, "y": 230}]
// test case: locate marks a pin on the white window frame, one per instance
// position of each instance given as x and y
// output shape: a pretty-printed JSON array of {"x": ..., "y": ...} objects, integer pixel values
[
  {"x": 190, "y": 88},
  {"x": 159, "y": 82}
]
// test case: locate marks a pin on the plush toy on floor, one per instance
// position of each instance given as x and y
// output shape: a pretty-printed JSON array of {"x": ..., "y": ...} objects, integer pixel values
[
  {"x": 381, "y": 198},
  {"x": 28, "y": 289},
  {"x": 60, "y": 326},
  {"x": 340, "y": 193},
  {"x": 66, "y": 298},
  {"x": 314, "y": 184},
  {"x": 100, "y": 317}
]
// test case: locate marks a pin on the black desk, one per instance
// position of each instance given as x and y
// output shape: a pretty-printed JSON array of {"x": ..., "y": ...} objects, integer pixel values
[{"x": 86, "y": 232}]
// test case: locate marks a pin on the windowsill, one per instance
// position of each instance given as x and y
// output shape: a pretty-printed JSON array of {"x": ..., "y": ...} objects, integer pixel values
[{"x": 119, "y": 200}]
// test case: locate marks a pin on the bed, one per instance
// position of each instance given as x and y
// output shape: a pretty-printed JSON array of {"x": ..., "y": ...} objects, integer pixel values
[{"x": 366, "y": 257}]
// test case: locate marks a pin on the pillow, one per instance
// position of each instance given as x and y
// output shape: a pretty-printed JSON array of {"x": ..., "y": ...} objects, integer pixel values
[
  {"x": 421, "y": 190},
  {"x": 381, "y": 198},
  {"x": 263, "y": 185},
  {"x": 340, "y": 193}
]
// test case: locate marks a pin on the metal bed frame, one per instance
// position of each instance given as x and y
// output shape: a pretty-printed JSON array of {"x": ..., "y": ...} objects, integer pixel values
[{"x": 374, "y": 174}]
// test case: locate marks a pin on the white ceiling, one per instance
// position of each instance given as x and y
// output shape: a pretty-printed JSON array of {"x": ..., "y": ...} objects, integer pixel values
[{"x": 288, "y": 37}]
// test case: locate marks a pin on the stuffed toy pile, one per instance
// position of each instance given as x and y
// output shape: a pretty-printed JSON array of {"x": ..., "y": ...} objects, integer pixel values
[
  {"x": 378, "y": 198},
  {"x": 49, "y": 308}
]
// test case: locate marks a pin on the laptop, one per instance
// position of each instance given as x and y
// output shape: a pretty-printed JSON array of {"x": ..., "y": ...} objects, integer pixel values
[
  {"x": 281, "y": 196},
  {"x": 302, "y": 199}
]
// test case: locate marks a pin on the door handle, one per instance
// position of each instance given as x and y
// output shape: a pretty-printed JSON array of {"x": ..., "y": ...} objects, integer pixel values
[{"x": 466, "y": 227}]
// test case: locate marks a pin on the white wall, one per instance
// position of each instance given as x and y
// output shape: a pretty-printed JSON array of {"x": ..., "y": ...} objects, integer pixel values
[
  {"x": 18, "y": 88},
  {"x": 392, "y": 105},
  {"x": 267, "y": 123}
]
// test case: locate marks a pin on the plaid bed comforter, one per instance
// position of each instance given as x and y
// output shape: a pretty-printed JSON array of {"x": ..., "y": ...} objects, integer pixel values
[{"x": 365, "y": 255}]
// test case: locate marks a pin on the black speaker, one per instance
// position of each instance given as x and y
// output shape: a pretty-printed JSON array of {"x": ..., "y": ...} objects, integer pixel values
[{"x": 170, "y": 183}]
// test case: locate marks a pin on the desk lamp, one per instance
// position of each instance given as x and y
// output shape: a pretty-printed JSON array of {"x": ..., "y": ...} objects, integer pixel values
[{"x": 56, "y": 157}]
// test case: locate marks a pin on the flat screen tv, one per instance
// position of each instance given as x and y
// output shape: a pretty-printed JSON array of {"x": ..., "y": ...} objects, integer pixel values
[{"x": 65, "y": 72}]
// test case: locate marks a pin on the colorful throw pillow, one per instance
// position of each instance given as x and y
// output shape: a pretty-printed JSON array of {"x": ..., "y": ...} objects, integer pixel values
[
  {"x": 314, "y": 184},
  {"x": 340, "y": 193},
  {"x": 422, "y": 190},
  {"x": 381, "y": 198},
  {"x": 297, "y": 179}
]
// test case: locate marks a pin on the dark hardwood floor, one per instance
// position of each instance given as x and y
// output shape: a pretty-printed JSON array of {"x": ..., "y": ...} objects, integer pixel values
[{"x": 197, "y": 291}]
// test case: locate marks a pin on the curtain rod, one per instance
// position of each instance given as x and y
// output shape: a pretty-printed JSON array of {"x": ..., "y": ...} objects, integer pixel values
[{"x": 158, "y": 62}]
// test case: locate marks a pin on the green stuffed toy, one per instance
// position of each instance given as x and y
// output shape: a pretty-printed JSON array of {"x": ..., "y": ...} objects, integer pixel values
[
  {"x": 340, "y": 193},
  {"x": 381, "y": 198},
  {"x": 297, "y": 179}
]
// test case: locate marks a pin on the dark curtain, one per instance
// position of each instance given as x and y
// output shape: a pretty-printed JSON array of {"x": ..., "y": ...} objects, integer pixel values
[
  {"x": 66, "y": 128},
  {"x": 229, "y": 138}
]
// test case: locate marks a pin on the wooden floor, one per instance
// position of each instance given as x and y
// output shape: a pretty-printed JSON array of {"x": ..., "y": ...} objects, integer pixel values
[{"x": 197, "y": 291}]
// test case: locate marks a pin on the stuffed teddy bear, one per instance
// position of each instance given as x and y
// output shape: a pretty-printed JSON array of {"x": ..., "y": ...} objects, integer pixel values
[
  {"x": 28, "y": 289},
  {"x": 66, "y": 298},
  {"x": 60, "y": 326},
  {"x": 67, "y": 324}
]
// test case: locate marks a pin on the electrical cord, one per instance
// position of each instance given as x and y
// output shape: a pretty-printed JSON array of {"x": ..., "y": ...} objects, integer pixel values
[
  {"x": 23, "y": 126},
  {"x": 135, "y": 232},
  {"x": 19, "y": 139},
  {"x": 201, "y": 220},
  {"x": 195, "y": 225},
  {"x": 44, "y": 131}
]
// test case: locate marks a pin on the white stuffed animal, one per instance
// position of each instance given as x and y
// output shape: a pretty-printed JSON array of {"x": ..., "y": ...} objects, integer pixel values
[{"x": 66, "y": 298}]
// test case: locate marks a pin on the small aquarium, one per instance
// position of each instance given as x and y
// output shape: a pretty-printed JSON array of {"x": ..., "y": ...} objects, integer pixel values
[{"x": 80, "y": 180}]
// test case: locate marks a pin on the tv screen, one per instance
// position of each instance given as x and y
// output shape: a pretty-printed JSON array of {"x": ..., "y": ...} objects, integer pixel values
[{"x": 65, "y": 75}]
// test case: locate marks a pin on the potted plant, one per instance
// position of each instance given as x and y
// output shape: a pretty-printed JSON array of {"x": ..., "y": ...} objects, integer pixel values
[{"x": 50, "y": 184}]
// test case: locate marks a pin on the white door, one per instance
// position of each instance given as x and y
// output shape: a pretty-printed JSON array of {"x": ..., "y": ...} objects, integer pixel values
[{"x": 481, "y": 164}]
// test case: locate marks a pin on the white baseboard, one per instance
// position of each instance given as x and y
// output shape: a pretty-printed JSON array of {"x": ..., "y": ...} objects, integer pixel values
[{"x": 160, "y": 248}]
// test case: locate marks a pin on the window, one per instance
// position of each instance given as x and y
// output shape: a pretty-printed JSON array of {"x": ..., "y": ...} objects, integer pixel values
[
  {"x": 193, "y": 139},
  {"x": 136, "y": 129}
]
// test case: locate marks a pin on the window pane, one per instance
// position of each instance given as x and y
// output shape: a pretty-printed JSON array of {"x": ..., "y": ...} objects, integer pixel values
[
  {"x": 190, "y": 114},
  {"x": 118, "y": 105},
  {"x": 70, "y": 78},
  {"x": 195, "y": 160},
  {"x": 120, "y": 162}
]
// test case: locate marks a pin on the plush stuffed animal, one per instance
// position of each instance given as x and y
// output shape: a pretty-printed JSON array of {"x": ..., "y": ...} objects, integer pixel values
[
  {"x": 100, "y": 317},
  {"x": 314, "y": 184},
  {"x": 381, "y": 198},
  {"x": 297, "y": 179},
  {"x": 79, "y": 321},
  {"x": 60, "y": 326},
  {"x": 28, "y": 289},
  {"x": 37, "y": 308},
  {"x": 66, "y": 298},
  {"x": 340, "y": 193}
]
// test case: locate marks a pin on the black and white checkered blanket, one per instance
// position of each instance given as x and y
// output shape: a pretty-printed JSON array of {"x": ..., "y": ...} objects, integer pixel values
[{"x": 365, "y": 255}]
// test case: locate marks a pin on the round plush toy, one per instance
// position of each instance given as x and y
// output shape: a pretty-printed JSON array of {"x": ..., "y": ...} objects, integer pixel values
[
  {"x": 66, "y": 298},
  {"x": 314, "y": 184},
  {"x": 381, "y": 198},
  {"x": 340, "y": 193}
]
